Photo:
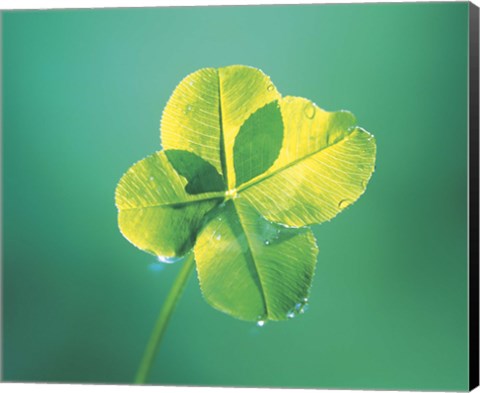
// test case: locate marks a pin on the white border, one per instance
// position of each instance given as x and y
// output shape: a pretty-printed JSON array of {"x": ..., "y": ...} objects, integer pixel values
[{"x": 61, "y": 388}]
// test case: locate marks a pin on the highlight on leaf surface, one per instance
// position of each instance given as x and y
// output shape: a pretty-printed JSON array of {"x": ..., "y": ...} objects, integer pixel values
[{"x": 242, "y": 173}]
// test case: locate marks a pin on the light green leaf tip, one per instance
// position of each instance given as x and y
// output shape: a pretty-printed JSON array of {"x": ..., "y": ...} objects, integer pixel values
[{"x": 243, "y": 173}]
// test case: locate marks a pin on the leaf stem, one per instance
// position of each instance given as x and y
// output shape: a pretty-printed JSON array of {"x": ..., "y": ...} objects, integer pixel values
[{"x": 163, "y": 318}]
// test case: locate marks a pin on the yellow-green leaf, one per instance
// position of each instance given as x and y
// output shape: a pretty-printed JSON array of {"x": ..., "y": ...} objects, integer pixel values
[
  {"x": 243, "y": 173},
  {"x": 155, "y": 212},
  {"x": 323, "y": 167},
  {"x": 207, "y": 109},
  {"x": 253, "y": 269}
]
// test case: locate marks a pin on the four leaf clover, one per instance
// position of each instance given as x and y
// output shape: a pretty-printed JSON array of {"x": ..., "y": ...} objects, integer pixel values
[{"x": 242, "y": 174}]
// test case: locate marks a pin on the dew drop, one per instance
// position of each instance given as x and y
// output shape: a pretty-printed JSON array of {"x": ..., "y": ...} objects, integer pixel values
[
  {"x": 218, "y": 237},
  {"x": 343, "y": 203},
  {"x": 266, "y": 242},
  {"x": 261, "y": 321},
  {"x": 151, "y": 178},
  {"x": 270, "y": 87},
  {"x": 303, "y": 309},
  {"x": 168, "y": 260},
  {"x": 309, "y": 111},
  {"x": 299, "y": 308}
]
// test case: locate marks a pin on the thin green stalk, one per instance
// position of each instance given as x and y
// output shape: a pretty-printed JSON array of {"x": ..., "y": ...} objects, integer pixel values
[{"x": 163, "y": 318}]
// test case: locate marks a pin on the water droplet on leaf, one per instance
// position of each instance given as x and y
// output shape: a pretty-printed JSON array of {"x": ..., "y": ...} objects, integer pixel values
[
  {"x": 303, "y": 309},
  {"x": 261, "y": 321},
  {"x": 309, "y": 111},
  {"x": 299, "y": 308},
  {"x": 270, "y": 87},
  {"x": 168, "y": 260},
  {"x": 344, "y": 203}
]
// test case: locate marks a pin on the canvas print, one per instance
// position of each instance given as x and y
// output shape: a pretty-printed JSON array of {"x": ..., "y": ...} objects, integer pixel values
[{"x": 252, "y": 196}]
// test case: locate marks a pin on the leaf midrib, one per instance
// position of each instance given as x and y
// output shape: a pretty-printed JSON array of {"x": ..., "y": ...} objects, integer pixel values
[
  {"x": 223, "y": 149},
  {"x": 260, "y": 178},
  {"x": 252, "y": 258},
  {"x": 220, "y": 196}
]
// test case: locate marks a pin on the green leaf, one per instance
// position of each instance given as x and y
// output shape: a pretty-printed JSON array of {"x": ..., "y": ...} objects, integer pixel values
[
  {"x": 253, "y": 269},
  {"x": 202, "y": 177},
  {"x": 323, "y": 167},
  {"x": 244, "y": 172},
  {"x": 258, "y": 143},
  {"x": 155, "y": 212},
  {"x": 207, "y": 109}
]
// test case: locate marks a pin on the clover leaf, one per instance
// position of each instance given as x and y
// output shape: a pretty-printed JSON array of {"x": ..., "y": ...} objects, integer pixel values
[{"x": 243, "y": 173}]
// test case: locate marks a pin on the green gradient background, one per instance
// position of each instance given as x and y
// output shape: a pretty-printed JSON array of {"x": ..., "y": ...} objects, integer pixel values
[{"x": 83, "y": 95}]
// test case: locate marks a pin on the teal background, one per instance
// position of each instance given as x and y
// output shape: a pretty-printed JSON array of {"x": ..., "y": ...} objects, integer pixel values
[{"x": 83, "y": 92}]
